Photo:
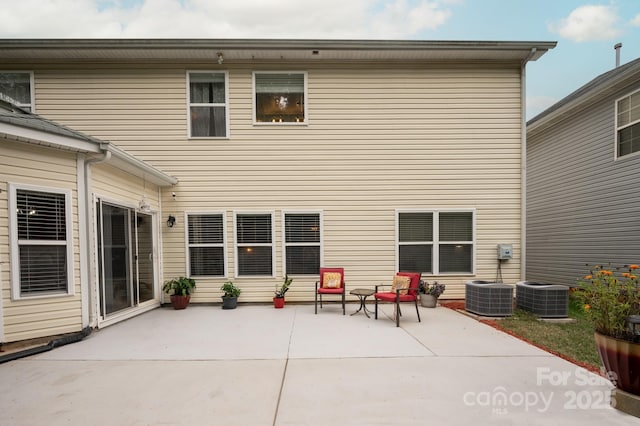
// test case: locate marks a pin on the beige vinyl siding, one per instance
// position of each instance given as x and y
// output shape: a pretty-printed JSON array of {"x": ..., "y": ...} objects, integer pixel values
[
  {"x": 42, "y": 316},
  {"x": 118, "y": 186},
  {"x": 380, "y": 137}
]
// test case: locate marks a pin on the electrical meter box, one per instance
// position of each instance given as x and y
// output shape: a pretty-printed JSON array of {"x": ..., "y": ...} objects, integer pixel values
[{"x": 505, "y": 251}]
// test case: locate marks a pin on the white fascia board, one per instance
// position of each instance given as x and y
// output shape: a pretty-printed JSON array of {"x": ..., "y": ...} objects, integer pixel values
[
  {"x": 137, "y": 167},
  {"x": 38, "y": 137}
]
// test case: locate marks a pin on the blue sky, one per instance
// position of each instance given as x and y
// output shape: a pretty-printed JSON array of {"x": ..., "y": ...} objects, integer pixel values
[{"x": 586, "y": 30}]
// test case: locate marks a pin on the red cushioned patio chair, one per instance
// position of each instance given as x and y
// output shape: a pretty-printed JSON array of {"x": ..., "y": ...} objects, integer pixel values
[
  {"x": 331, "y": 282},
  {"x": 396, "y": 296}
]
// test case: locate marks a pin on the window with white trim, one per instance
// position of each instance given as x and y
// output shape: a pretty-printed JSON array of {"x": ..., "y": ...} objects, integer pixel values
[
  {"x": 254, "y": 244},
  {"x": 208, "y": 101},
  {"x": 628, "y": 124},
  {"x": 206, "y": 244},
  {"x": 16, "y": 88},
  {"x": 302, "y": 243},
  {"x": 279, "y": 97},
  {"x": 42, "y": 239},
  {"x": 436, "y": 242}
]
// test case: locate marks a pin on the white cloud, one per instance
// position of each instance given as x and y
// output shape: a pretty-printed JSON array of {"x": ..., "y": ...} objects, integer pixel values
[
  {"x": 587, "y": 23},
  {"x": 221, "y": 18},
  {"x": 636, "y": 21}
]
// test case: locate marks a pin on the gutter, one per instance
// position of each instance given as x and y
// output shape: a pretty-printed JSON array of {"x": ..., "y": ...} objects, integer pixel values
[{"x": 129, "y": 163}]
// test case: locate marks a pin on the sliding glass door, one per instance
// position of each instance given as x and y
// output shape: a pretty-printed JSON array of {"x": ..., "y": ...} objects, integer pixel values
[{"x": 126, "y": 261}]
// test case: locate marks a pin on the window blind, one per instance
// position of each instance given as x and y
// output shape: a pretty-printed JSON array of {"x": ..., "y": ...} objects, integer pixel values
[
  {"x": 302, "y": 238},
  {"x": 41, "y": 216},
  {"x": 255, "y": 248},
  {"x": 42, "y": 241},
  {"x": 302, "y": 228},
  {"x": 206, "y": 244},
  {"x": 279, "y": 83},
  {"x": 416, "y": 227},
  {"x": 456, "y": 226}
]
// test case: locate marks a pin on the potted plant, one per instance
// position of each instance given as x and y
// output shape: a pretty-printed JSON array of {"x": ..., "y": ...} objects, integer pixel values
[
  {"x": 180, "y": 291},
  {"x": 429, "y": 293},
  {"x": 278, "y": 299},
  {"x": 230, "y": 296},
  {"x": 611, "y": 299}
]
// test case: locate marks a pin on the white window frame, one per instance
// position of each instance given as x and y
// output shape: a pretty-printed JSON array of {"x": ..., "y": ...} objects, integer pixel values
[
  {"x": 237, "y": 246},
  {"x": 15, "y": 243},
  {"x": 31, "y": 105},
  {"x": 225, "y": 105},
  {"x": 618, "y": 128},
  {"x": 306, "y": 99},
  {"x": 284, "y": 237},
  {"x": 435, "y": 252},
  {"x": 223, "y": 244}
]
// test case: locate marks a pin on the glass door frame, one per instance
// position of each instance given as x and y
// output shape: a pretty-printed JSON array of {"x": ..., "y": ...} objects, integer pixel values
[{"x": 133, "y": 236}]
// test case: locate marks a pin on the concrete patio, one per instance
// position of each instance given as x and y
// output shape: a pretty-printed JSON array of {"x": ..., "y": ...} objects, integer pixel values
[{"x": 260, "y": 366}]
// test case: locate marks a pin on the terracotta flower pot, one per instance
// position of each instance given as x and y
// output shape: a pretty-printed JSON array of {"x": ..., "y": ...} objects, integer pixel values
[
  {"x": 180, "y": 302},
  {"x": 622, "y": 358},
  {"x": 278, "y": 302}
]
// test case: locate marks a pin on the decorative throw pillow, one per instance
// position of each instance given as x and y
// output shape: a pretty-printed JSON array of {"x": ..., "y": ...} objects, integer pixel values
[
  {"x": 331, "y": 280},
  {"x": 401, "y": 283}
]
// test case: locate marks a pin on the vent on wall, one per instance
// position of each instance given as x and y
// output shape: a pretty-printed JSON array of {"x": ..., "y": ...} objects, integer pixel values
[
  {"x": 488, "y": 298},
  {"x": 544, "y": 300}
]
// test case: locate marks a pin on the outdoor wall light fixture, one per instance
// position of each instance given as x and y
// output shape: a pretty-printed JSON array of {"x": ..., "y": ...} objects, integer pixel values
[
  {"x": 144, "y": 204},
  {"x": 220, "y": 58},
  {"x": 171, "y": 221}
]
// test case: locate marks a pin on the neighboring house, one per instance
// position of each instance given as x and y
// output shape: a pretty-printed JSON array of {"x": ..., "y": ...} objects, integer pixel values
[
  {"x": 583, "y": 198},
  {"x": 376, "y": 156}
]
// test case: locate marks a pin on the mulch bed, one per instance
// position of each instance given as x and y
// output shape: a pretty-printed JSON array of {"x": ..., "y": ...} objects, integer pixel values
[{"x": 459, "y": 305}]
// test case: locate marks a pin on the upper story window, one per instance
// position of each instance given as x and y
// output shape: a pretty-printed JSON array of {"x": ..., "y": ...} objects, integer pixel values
[
  {"x": 206, "y": 244},
  {"x": 436, "y": 242},
  {"x": 41, "y": 242},
  {"x": 302, "y": 243},
  {"x": 208, "y": 101},
  {"x": 628, "y": 124},
  {"x": 16, "y": 87},
  {"x": 280, "y": 97}
]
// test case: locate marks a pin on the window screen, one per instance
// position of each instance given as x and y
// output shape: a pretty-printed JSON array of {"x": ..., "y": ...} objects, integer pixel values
[
  {"x": 206, "y": 244},
  {"x": 302, "y": 243},
  {"x": 42, "y": 242}
]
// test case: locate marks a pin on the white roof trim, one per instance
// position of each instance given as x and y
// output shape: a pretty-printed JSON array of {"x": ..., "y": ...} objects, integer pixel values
[{"x": 40, "y": 137}]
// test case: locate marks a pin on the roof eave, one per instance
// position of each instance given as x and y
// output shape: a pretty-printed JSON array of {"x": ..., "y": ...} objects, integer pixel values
[
  {"x": 260, "y": 49},
  {"x": 582, "y": 98},
  {"x": 127, "y": 162}
]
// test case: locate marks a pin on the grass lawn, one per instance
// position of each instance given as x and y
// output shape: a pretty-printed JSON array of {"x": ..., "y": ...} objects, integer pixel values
[{"x": 573, "y": 341}]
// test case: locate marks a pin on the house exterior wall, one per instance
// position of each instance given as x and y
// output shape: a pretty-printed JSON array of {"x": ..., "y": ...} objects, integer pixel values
[
  {"x": 380, "y": 137},
  {"x": 33, "y": 317},
  {"x": 583, "y": 205}
]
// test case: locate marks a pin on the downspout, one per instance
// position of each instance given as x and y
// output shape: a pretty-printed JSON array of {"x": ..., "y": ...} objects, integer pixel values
[
  {"x": 87, "y": 275},
  {"x": 65, "y": 340},
  {"x": 523, "y": 165}
]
